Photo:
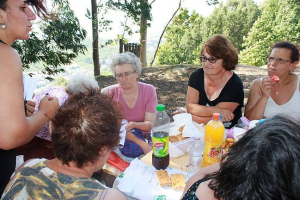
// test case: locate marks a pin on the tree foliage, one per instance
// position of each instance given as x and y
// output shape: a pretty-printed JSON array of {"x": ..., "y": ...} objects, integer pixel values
[
  {"x": 279, "y": 21},
  {"x": 172, "y": 52},
  {"x": 58, "y": 43},
  {"x": 186, "y": 34},
  {"x": 140, "y": 12}
]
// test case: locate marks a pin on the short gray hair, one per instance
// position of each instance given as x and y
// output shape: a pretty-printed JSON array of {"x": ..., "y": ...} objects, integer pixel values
[
  {"x": 126, "y": 58},
  {"x": 81, "y": 83}
]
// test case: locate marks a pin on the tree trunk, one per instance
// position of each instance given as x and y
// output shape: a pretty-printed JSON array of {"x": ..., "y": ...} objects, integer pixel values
[
  {"x": 95, "y": 39},
  {"x": 143, "y": 40},
  {"x": 153, "y": 59}
]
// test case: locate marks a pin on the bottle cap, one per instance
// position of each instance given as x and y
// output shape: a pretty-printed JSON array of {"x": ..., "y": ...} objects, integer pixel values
[
  {"x": 160, "y": 107},
  {"x": 216, "y": 116}
]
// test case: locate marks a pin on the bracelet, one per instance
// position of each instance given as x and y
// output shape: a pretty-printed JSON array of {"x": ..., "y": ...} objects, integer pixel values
[{"x": 47, "y": 116}]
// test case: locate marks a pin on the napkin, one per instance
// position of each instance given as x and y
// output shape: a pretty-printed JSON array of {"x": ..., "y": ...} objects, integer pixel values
[
  {"x": 253, "y": 123},
  {"x": 139, "y": 181},
  {"x": 174, "y": 151},
  {"x": 123, "y": 133},
  {"x": 238, "y": 133},
  {"x": 29, "y": 84},
  {"x": 189, "y": 130}
]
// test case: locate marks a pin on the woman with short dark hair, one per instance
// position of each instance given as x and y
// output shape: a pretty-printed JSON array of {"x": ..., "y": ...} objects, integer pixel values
[
  {"x": 84, "y": 131},
  {"x": 215, "y": 88},
  {"x": 279, "y": 91},
  {"x": 263, "y": 164}
]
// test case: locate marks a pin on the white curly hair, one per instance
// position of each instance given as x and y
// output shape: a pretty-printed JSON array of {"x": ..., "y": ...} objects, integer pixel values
[
  {"x": 126, "y": 58},
  {"x": 81, "y": 83}
]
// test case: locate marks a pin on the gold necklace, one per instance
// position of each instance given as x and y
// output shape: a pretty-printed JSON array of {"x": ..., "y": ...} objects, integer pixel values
[
  {"x": 127, "y": 101},
  {"x": 283, "y": 85}
]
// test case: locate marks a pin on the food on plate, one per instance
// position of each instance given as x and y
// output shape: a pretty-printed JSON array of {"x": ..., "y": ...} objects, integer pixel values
[
  {"x": 173, "y": 139},
  {"x": 163, "y": 178},
  {"x": 179, "y": 137},
  {"x": 227, "y": 144},
  {"x": 178, "y": 182},
  {"x": 274, "y": 78},
  {"x": 181, "y": 128}
]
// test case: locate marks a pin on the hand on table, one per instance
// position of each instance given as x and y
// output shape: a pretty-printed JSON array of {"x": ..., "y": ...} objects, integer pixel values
[
  {"x": 29, "y": 107},
  {"x": 227, "y": 115}
]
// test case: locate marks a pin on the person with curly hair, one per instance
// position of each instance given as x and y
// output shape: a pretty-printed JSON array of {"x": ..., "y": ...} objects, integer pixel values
[
  {"x": 84, "y": 131},
  {"x": 263, "y": 164}
]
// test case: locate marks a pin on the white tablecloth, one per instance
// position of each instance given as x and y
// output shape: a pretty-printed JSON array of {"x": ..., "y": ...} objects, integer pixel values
[{"x": 139, "y": 181}]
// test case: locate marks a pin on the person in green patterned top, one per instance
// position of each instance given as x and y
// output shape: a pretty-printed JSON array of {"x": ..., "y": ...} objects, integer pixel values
[{"x": 84, "y": 130}]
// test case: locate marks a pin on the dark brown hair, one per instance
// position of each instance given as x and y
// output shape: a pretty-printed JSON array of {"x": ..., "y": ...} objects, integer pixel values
[
  {"x": 287, "y": 45},
  {"x": 220, "y": 47},
  {"x": 83, "y": 125},
  {"x": 263, "y": 164},
  {"x": 38, "y": 5}
]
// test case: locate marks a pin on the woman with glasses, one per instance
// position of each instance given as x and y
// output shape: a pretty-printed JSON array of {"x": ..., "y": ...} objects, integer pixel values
[
  {"x": 138, "y": 101},
  {"x": 279, "y": 91},
  {"x": 215, "y": 88}
]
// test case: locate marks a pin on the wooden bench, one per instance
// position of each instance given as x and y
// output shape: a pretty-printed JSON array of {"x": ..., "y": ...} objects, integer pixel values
[{"x": 131, "y": 47}]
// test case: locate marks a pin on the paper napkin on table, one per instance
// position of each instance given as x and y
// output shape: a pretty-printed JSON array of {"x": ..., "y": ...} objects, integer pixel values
[
  {"x": 190, "y": 129},
  {"x": 174, "y": 152}
]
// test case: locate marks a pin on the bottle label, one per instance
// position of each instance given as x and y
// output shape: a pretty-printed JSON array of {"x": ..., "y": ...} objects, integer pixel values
[
  {"x": 215, "y": 152},
  {"x": 212, "y": 153},
  {"x": 160, "y": 146}
]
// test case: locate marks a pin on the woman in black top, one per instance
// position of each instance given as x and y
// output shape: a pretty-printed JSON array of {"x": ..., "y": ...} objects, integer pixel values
[
  {"x": 215, "y": 88},
  {"x": 15, "y": 128}
]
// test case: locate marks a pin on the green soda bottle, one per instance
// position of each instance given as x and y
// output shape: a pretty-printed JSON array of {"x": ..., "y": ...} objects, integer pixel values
[{"x": 160, "y": 138}]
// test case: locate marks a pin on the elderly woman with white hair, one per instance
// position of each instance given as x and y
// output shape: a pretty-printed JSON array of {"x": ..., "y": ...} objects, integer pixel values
[
  {"x": 138, "y": 101},
  {"x": 39, "y": 146}
]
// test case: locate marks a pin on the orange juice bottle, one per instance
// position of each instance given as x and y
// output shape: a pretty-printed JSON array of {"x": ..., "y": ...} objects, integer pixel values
[{"x": 214, "y": 136}]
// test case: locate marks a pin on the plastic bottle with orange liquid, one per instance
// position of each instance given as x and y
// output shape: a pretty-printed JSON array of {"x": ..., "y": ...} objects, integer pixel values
[{"x": 214, "y": 137}]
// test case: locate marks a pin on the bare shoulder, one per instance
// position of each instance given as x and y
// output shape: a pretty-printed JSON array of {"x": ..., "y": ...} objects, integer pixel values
[
  {"x": 255, "y": 87},
  {"x": 8, "y": 52},
  {"x": 10, "y": 59},
  {"x": 256, "y": 82}
]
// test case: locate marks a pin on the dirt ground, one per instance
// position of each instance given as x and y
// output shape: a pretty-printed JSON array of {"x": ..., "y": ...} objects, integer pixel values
[{"x": 171, "y": 82}]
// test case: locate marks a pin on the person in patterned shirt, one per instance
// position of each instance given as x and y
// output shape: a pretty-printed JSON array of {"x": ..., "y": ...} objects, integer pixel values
[{"x": 84, "y": 131}]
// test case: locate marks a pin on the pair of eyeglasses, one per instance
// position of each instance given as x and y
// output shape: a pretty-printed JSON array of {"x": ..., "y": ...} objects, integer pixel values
[
  {"x": 212, "y": 60},
  {"x": 126, "y": 75},
  {"x": 272, "y": 59}
]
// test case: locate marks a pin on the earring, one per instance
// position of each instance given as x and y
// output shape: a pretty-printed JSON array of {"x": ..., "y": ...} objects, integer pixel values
[
  {"x": 3, "y": 26},
  {"x": 290, "y": 72}
]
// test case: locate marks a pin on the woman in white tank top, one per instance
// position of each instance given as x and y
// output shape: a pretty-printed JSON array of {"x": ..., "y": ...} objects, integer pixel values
[{"x": 279, "y": 92}]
